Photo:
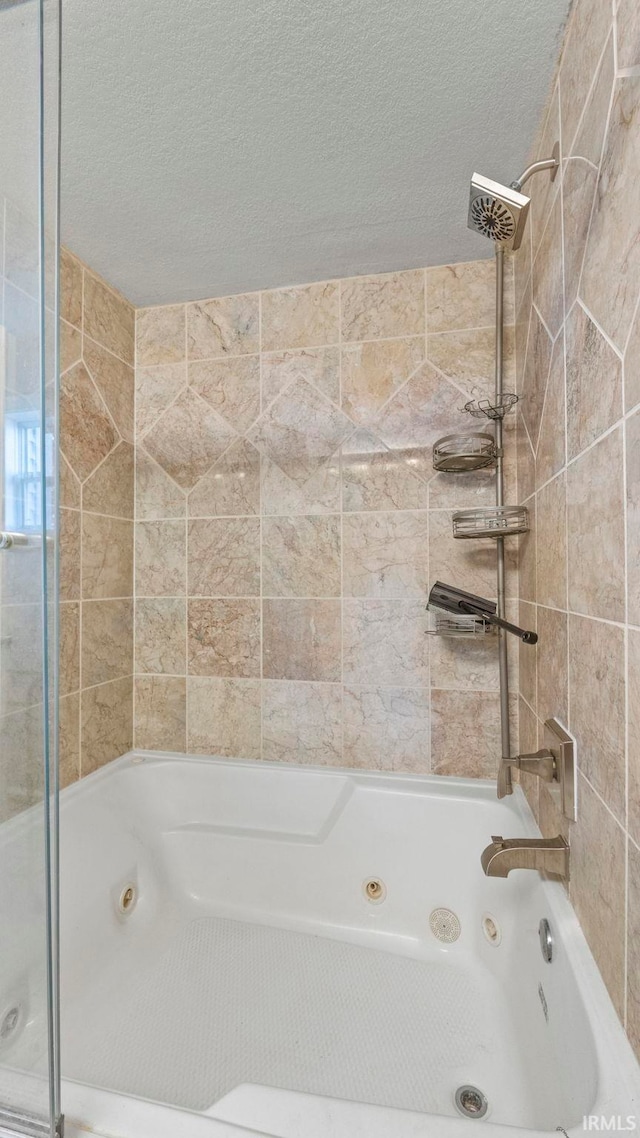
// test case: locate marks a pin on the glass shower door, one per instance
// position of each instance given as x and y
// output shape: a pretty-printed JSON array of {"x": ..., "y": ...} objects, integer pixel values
[{"x": 29, "y": 81}]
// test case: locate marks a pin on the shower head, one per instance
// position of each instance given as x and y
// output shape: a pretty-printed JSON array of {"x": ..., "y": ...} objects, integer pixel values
[{"x": 497, "y": 212}]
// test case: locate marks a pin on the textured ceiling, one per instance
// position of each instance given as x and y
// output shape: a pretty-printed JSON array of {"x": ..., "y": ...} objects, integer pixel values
[{"x": 217, "y": 146}]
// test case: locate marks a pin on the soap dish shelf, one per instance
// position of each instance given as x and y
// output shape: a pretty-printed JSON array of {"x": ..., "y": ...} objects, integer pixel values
[
  {"x": 458, "y": 625},
  {"x": 488, "y": 409},
  {"x": 494, "y": 521},
  {"x": 459, "y": 454}
]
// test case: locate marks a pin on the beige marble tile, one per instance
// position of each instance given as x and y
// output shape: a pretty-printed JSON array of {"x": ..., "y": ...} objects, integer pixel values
[
  {"x": 551, "y": 544},
  {"x": 385, "y": 554},
  {"x": 160, "y": 635},
  {"x": 373, "y": 370},
  {"x": 590, "y": 136},
  {"x": 225, "y": 326},
  {"x": 527, "y": 655},
  {"x": 628, "y": 33},
  {"x": 231, "y": 386},
  {"x": 300, "y": 432},
  {"x": 160, "y": 335},
  {"x": 302, "y": 723},
  {"x": 156, "y": 389},
  {"x": 536, "y": 371},
  {"x": 527, "y": 744},
  {"x": 468, "y": 358},
  {"x": 384, "y": 643},
  {"x": 527, "y": 556},
  {"x": 106, "y": 723},
  {"x": 231, "y": 487},
  {"x": 521, "y": 332},
  {"x": 597, "y": 713},
  {"x": 223, "y": 557},
  {"x": 387, "y": 729},
  {"x": 427, "y": 407},
  {"x": 108, "y": 318},
  {"x": 548, "y": 281},
  {"x": 224, "y": 638},
  {"x": 69, "y": 740},
  {"x": 109, "y": 490},
  {"x": 632, "y": 429},
  {"x": 585, "y": 39},
  {"x": 70, "y": 346},
  {"x": 87, "y": 433},
  {"x": 107, "y": 557},
  {"x": 160, "y": 713},
  {"x": 379, "y": 306},
  {"x": 633, "y": 949},
  {"x": 70, "y": 288},
  {"x": 553, "y": 699},
  {"x": 107, "y": 641},
  {"x": 465, "y": 733},
  {"x": 301, "y": 556},
  {"x": 463, "y": 295},
  {"x": 69, "y": 653},
  {"x": 301, "y": 640},
  {"x": 578, "y": 190},
  {"x": 595, "y": 530},
  {"x": 320, "y": 494},
  {"x": 160, "y": 558},
  {"x": 526, "y": 462},
  {"x": 300, "y": 317},
  {"x": 469, "y": 564},
  {"x": 188, "y": 438},
  {"x": 597, "y": 887},
  {"x": 541, "y": 189},
  {"x": 611, "y": 274},
  {"x": 157, "y": 495},
  {"x": 320, "y": 366},
  {"x": 632, "y": 366},
  {"x": 70, "y": 491},
  {"x": 224, "y": 717},
  {"x": 594, "y": 383},
  {"x": 115, "y": 382},
  {"x": 376, "y": 478},
  {"x": 552, "y": 441},
  {"x": 458, "y": 663},
  {"x": 21, "y": 767},
  {"x": 633, "y": 681},
  {"x": 69, "y": 541}
]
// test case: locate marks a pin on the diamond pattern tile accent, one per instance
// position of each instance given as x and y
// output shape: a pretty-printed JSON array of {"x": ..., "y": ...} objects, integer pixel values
[
  {"x": 188, "y": 438},
  {"x": 300, "y": 431},
  {"x": 427, "y": 407},
  {"x": 85, "y": 426}
]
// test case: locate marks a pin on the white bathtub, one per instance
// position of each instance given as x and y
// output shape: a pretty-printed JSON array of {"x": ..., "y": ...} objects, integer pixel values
[{"x": 252, "y": 987}]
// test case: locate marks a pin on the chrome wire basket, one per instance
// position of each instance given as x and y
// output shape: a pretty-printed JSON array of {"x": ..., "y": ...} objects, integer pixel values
[
  {"x": 454, "y": 625},
  {"x": 492, "y": 521},
  {"x": 457, "y": 454},
  {"x": 491, "y": 409}
]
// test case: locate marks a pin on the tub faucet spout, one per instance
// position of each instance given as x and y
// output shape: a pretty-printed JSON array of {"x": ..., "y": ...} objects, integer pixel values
[{"x": 547, "y": 855}]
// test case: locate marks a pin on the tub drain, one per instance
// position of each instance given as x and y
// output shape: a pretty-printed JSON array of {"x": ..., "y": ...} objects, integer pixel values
[
  {"x": 444, "y": 925},
  {"x": 471, "y": 1102}
]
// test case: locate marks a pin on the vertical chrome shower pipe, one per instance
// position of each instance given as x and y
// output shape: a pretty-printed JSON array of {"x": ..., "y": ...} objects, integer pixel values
[{"x": 503, "y": 660}]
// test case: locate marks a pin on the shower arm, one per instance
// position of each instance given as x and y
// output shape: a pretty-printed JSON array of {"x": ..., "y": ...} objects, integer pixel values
[{"x": 551, "y": 164}]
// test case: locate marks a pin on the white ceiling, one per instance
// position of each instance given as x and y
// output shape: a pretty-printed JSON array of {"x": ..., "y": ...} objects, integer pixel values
[{"x": 217, "y": 146}]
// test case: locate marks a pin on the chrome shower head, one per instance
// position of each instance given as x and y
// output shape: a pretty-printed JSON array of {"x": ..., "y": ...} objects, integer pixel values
[{"x": 497, "y": 212}]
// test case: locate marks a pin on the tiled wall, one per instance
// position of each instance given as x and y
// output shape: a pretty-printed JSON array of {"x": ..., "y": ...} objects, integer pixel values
[
  {"x": 578, "y": 351},
  {"x": 289, "y": 523},
  {"x": 96, "y": 521}
]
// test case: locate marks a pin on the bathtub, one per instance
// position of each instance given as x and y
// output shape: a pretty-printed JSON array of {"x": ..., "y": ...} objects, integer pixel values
[{"x": 253, "y": 948}]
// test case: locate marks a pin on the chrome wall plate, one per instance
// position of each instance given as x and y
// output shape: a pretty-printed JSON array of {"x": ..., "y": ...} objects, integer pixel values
[{"x": 563, "y": 748}]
